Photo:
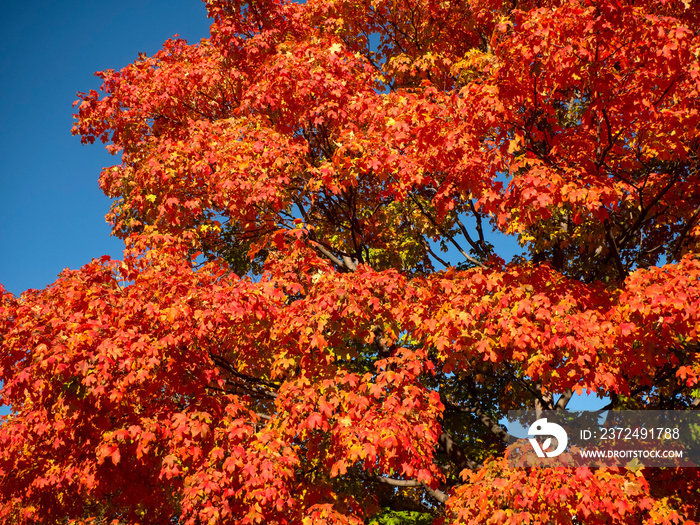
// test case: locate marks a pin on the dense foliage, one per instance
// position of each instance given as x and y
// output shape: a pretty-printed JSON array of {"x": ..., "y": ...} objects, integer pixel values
[{"x": 286, "y": 340}]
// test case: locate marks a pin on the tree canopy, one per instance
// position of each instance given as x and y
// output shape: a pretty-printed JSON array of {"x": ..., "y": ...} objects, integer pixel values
[{"x": 286, "y": 340}]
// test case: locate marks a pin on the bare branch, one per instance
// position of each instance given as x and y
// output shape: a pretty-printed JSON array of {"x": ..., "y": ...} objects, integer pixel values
[
  {"x": 344, "y": 261},
  {"x": 564, "y": 399},
  {"x": 435, "y": 256},
  {"x": 435, "y": 493},
  {"x": 492, "y": 425},
  {"x": 464, "y": 231},
  {"x": 615, "y": 252},
  {"x": 443, "y": 232},
  {"x": 396, "y": 482},
  {"x": 479, "y": 226},
  {"x": 681, "y": 238},
  {"x": 455, "y": 452},
  {"x": 546, "y": 403},
  {"x": 255, "y": 386}
]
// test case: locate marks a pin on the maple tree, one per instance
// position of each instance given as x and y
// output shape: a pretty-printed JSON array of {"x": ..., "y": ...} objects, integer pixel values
[{"x": 286, "y": 341}]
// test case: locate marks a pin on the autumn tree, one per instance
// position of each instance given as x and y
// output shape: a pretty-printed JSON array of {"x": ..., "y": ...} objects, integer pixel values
[{"x": 287, "y": 341}]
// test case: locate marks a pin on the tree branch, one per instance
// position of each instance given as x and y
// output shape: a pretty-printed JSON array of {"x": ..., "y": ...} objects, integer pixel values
[
  {"x": 492, "y": 425},
  {"x": 396, "y": 482},
  {"x": 564, "y": 399},
  {"x": 344, "y": 261},
  {"x": 479, "y": 226},
  {"x": 435, "y": 256},
  {"x": 546, "y": 404},
  {"x": 246, "y": 382},
  {"x": 615, "y": 252},
  {"x": 471, "y": 241},
  {"x": 684, "y": 233},
  {"x": 443, "y": 232},
  {"x": 435, "y": 493},
  {"x": 455, "y": 452}
]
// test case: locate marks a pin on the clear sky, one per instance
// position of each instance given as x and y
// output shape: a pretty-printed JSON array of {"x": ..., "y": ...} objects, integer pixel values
[{"x": 51, "y": 207}]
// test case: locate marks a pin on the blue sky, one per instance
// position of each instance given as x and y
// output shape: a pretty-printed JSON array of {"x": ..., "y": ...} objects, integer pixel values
[{"x": 51, "y": 208}]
